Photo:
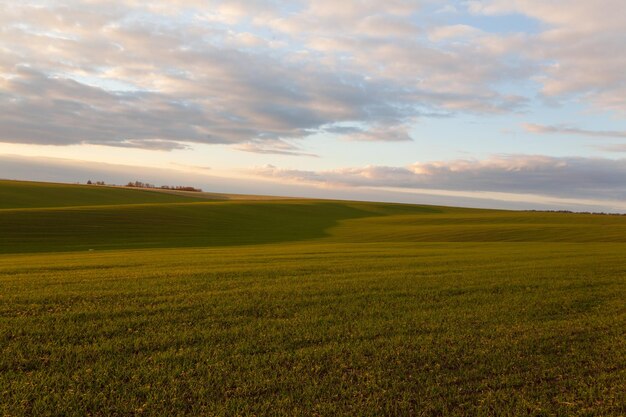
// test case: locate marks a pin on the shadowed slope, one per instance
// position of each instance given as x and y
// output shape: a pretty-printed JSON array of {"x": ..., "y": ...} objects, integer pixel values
[{"x": 167, "y": 225}]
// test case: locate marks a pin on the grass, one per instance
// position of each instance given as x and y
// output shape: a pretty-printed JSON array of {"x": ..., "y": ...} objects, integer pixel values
[
  {"x": 27, "y": 194},
  {"x": 310, "y": 308}
]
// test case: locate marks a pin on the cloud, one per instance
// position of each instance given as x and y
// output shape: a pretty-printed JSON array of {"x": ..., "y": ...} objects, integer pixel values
[
  {"x": 148, "y": 144},
  {"x": 569, "y": 130},
  {"x": 619, "y": 147},
  {"x": 579, "y": 45},
  {"x": 276, "y": 147},
  {"x": 149, "y": 74},
  {"x": 522, "y": 174},
  {"x": 377, "y": 133},
  {"x": 55, "y": 111},
  {"x": 152, "y": 74}
]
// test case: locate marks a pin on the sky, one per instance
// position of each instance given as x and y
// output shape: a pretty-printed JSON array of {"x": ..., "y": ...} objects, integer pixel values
[{"x": 494, "y": 103}]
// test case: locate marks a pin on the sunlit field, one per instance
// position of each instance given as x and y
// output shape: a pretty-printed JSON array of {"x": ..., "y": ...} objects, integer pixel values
[{"x": 131, "y": 302}]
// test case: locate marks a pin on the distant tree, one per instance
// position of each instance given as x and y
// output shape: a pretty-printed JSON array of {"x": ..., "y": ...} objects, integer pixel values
[
  {"x": 139, "y": 184},
  {"x": 89, "y": 182}
]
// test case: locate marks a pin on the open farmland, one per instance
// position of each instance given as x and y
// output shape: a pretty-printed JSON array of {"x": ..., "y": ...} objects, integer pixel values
[{"x": 134, "y": 302}]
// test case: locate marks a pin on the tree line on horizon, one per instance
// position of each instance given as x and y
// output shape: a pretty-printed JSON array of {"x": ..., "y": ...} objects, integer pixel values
[{"x": 140, "y": 184}]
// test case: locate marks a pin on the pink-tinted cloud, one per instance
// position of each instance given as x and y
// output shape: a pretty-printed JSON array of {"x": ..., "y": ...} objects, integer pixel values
[{"x": 522, "y": 174}]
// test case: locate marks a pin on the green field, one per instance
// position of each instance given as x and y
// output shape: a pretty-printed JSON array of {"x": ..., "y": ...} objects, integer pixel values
[{"x": 133, "y": 302}]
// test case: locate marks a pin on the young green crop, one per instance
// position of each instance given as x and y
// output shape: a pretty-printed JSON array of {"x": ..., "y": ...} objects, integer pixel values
[
  {"x": 27, "y": 194},
  {"x": 310, "y": 308}
]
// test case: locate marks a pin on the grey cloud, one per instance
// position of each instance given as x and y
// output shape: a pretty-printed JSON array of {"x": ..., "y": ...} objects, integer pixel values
[
  {"x": 275, "y": 147},
  {"x": 148, "y": 144},
  {"x": 342, "y": 130},
  {"x": 558, "y": 177},
  {"x": 58, "y": 112},
  {"x": 42, "y": 109},
  {"x": 569, "y": 130},
  {"x": 381, "y": 133},
  {"x": 618, "y": 147},
  {"x": 246, "y": 147}
]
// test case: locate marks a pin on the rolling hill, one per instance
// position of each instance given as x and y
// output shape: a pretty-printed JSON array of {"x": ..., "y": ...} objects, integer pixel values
[
  {"x": 133, "y": 302},
  {"x": 27, "y": 194}
]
